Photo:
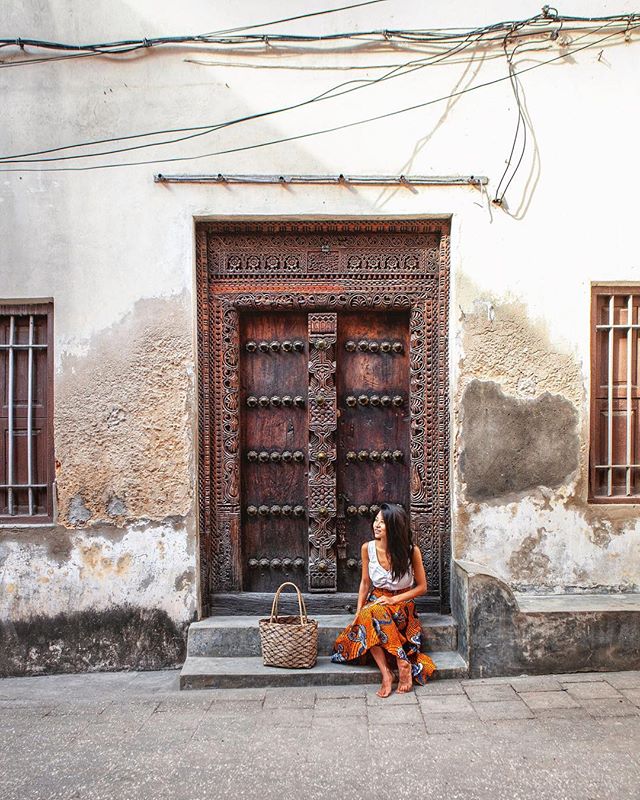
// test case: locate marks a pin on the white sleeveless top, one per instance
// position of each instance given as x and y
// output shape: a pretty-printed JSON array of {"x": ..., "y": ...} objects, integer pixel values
[{"x": 381, "y": 577}]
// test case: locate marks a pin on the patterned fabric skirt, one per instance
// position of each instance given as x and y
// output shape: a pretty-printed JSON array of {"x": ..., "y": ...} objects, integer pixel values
[{"x": 396, "y": 628}]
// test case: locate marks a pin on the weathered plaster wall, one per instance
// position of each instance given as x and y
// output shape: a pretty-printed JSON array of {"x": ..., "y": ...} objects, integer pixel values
[
  {"x": 115, "y": 252},
  {"x": 522, "y": 447},
  {"x": 124, "y": 411},
  {"x": 150, "y": 565},
  {"x": 122, "y": 554}
]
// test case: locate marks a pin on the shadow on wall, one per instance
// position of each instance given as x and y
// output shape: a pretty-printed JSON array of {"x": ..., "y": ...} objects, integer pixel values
[{"x": 121, "y": 638}]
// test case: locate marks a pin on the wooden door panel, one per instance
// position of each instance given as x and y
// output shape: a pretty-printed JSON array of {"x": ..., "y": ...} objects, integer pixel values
[
  {"x": 262, "y": 281},
  {"x": 373, "y": 430},
  {"x": 274, "y": 448}
]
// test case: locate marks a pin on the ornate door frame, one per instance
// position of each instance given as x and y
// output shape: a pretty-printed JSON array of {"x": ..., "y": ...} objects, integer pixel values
[{"x": 325, "y": 279}]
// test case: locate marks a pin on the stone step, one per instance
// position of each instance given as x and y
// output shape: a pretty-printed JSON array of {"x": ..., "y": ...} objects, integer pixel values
[
  {"x": 231, "y": 636},
  {"x": 247, "y": 672}
]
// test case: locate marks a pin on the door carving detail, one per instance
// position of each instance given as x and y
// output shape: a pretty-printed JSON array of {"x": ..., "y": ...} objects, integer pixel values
[
  {"x": 320, "y": 271},
  {"x": 322, "y": 452}
]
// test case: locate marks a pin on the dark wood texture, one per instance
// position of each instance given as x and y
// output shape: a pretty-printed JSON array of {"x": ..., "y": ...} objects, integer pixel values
[
  {"x": 42, "y": 431},
  {"x": 259, "y": 603},
  {"x": 367, "y": 281},
  {"x": 375, "y": 418},
  {"x": 270, "y": 430}
]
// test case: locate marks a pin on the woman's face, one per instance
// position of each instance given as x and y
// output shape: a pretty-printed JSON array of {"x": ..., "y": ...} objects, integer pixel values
[{"x": 379, "y": 528}]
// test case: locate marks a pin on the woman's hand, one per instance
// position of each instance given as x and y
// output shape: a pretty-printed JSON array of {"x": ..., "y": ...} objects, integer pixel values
[{"x": 384, "y": 601}]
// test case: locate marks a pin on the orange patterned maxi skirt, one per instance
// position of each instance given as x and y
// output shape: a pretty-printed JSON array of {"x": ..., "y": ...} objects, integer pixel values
[{"x": 396, "y": 628}]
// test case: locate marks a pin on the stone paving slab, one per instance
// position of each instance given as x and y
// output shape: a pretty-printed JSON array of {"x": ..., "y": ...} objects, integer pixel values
[
  {"x": 591, "y": 689},
  {"x": 137, "y": 737},
  {"x": 446, "y": 704},
  {"x": 623, "y": 680},
  {"x": 500, "y": 691},
  {"x": 545, "y": 700},
  {"x": 632, "y": 694},
  {"x": 503, "y": 709},
  {"x": 610, "y": 707}
]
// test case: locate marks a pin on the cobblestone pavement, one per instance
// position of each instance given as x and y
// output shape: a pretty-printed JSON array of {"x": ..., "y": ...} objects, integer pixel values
[{"x": 134, "y": 735}]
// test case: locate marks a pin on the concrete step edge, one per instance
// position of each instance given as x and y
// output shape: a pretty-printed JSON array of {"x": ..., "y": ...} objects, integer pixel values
[
  {"x": 249, "y": 671},
  {"x": 220, "y": 637},
  {"x": 324, "y": 620}
]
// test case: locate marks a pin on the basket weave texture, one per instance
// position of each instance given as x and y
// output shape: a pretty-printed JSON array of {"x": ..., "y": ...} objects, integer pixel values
[{"x": 289, "y": 641}]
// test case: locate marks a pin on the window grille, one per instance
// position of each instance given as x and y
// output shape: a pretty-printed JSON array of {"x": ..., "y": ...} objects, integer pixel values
[
  {"x": 26, "y": 379},
  {"x": 615, "y": 395}
]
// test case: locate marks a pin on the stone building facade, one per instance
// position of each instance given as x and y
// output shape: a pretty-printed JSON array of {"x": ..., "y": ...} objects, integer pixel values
[{"x": 113, "y": 576}]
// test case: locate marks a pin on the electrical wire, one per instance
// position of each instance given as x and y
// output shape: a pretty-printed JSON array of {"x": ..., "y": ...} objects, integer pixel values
[
  {"x": 479, "y": 34},
  {"x": 292, "y": 19},
  {"x": 386, "y": 35},
  {"x": 407, "y": 68},
  {"x": 97, "y": 50},
  {"x": 332, "y": 129},
  {"x": 521, "y": 122}
]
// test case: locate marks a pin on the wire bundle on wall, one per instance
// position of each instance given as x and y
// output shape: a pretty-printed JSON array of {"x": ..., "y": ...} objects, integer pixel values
[{"x": 505, "y": 38}]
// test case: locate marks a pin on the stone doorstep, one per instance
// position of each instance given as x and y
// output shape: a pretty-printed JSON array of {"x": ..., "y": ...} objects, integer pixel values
[
  {"x": 246, "y": 672},
  {"x": 231, "y": 636}
]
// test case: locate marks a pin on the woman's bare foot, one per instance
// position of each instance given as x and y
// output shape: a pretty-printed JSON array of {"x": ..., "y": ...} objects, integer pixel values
[
  {"x": 387, "y": 681},
  {"x": 404, "y": 676}
]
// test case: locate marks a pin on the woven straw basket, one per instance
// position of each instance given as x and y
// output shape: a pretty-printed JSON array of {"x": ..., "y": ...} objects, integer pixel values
[{"x": 289, "y": 641}]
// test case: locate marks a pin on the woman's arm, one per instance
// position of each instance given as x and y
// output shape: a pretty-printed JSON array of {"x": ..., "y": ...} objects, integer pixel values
[
  {"x": 365, "y": 580},
  {"x": 419, "y": 577}
]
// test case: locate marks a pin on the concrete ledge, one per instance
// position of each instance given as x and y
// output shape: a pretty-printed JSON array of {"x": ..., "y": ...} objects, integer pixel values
[
  {"x": 548, "y": 603},
  {"x": 503, "y": 633}
]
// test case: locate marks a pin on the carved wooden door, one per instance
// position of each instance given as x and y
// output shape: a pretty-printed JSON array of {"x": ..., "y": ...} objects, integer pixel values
[
  {"x": 325, "y": 417},
  {"x": 323, "y": 391}
]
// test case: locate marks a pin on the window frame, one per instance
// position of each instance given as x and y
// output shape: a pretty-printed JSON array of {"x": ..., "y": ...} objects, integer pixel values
[
  {"x": 40, "y": 308},
  {"x": 598, "y": 289}
]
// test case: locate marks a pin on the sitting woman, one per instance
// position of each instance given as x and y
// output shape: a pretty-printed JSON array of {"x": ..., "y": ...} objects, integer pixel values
[{"x": 386, "y": 623}]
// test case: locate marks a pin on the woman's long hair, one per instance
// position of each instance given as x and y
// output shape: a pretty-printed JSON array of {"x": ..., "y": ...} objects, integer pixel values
[{"x": 399, "y": 545}]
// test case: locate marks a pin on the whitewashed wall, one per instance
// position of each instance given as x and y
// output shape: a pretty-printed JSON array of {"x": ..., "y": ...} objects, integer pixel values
[{"x": 115, "y": 251}]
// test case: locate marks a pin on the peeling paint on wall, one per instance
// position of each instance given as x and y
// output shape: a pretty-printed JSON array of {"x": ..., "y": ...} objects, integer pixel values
[
  {"x": 123, "y": 419},
  {"x": 148, "y": 565},
  {"x": 522, "y": 445},
  {"x": 503, "y": 344}
]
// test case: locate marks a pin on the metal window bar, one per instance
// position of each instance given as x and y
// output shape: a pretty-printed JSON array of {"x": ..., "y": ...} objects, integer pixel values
[
  {"x": 628, "y": 420},
  {"x": 30, "y": 416},
  {"x": 629, "y": 328},
  {"x": 11, "y": 486},
  {"x": 12, "y": 327},
  {"x": 610, "y": 400}
]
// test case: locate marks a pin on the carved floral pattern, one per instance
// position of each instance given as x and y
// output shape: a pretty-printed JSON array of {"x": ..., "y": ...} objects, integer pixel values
[{"x": 323, "y": 333}]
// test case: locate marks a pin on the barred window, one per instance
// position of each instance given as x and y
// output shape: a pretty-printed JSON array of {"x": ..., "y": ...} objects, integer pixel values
[
  {"x": 26, "y": 443},
  {"x": 615, "y": 394}
]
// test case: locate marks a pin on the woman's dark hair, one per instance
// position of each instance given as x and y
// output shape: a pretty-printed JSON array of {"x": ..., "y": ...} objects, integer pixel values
[{"x": 399, "y": 542}]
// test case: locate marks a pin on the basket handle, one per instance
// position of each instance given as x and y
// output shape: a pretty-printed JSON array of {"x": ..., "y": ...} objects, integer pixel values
[{"x": 301, "y": 605}]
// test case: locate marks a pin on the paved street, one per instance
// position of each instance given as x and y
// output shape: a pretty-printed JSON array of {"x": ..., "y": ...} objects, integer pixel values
[{"x": 134, "y": 735}]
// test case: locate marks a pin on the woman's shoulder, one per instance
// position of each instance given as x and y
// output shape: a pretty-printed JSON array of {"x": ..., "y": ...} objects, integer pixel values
[{"x": 366, "y": 547}]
